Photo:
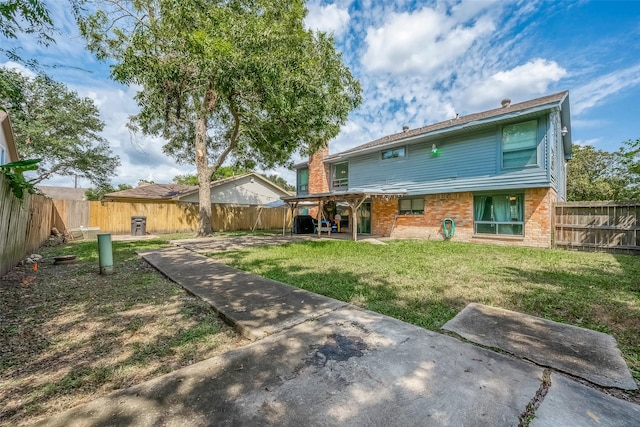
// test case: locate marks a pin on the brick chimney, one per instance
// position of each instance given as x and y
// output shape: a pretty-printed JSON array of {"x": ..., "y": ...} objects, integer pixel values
[{"x": 318, "y": 172}]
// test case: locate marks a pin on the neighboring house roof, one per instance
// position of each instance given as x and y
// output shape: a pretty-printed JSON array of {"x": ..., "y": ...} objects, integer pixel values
[
  {"x": 189, "y": 193},
  {"x": 63, "y": 193},
  {"x": 150, "y": 192},
  {"x": 7, "y": 139},
  {"x": 255, "y": 176},
  {"x": 549, "y": 102},
  {"x": 265, "y": 191}
]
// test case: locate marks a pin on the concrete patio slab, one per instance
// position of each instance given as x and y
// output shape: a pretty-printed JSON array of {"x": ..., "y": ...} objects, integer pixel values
[
  {"x": 584, "y": 353},
  {"x": 591, "y": 408},
  {"x": 256, "y": 306},
  {"x": 346, "y": 366},
  {"x": 350, "y": 368}
]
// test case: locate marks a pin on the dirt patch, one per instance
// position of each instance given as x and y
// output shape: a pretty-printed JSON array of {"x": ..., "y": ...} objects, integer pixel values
[{"x": 69, "y": 335}]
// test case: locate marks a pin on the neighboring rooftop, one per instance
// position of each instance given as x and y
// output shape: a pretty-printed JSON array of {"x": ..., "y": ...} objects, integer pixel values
[
  {"x": 152, "y": 192},
  {"x": 507, "y": 108},
  {"x": 177, "y": 192}
]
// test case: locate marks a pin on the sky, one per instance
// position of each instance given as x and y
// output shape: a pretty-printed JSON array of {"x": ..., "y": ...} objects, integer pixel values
[{"x": 419, "y": 62}]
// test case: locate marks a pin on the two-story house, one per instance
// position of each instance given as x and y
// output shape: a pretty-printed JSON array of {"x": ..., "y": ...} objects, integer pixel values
[{"x": 493, "y": 175}]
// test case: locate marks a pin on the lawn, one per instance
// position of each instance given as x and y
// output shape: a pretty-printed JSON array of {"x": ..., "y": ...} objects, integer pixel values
[
  {"x": 69, "y": 335},
  {"x": 427, "y": 282}
]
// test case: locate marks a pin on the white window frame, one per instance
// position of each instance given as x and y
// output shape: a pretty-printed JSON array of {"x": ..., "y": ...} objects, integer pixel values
[
  {"x": 342, "y": 182},
  {"x": 395, "y": 153},
  {"x": 414, "y": 209},
  {"x": 532, "y": 147}
]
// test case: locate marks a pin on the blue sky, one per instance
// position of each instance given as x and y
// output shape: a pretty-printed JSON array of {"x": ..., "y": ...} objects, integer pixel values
[{"x": 419, "y": 62}]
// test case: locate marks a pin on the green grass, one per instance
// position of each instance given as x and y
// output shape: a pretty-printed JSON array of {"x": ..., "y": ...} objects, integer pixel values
[
  {"x": 427, "y": 282},
  {"x": 69, "y": 334}
]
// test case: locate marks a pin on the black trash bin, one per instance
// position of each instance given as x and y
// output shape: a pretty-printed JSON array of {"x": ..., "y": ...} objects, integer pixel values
[
  {"x": 302, "y": 224},
  {"x": 138, "y": 225}
]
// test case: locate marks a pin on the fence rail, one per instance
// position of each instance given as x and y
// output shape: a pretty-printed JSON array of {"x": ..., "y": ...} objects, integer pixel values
[
  {"x": 164, "y": 217},
  {"x": 24, "y": 225},
  {"x": 602, "y": 226}
]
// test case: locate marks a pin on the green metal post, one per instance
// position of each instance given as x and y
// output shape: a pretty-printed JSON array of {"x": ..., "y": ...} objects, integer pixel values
[{"x": 105, "y": 253}]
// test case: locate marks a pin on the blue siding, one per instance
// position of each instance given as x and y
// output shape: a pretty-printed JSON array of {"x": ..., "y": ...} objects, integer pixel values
[{"x": 470, "y": 162}]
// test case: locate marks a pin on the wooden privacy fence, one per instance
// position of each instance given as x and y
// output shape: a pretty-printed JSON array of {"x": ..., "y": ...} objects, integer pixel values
[
  {"x": 606, "y": 226},
  {"x": 24, "y": 225},
  {"x": 163, "y": 217}
]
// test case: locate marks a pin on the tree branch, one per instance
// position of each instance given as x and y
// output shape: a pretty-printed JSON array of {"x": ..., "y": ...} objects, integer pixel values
[{"x": 233, "y": 140}]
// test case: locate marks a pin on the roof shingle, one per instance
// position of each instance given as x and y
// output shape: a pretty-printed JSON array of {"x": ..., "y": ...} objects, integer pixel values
[{"x": 553, "y": 99}]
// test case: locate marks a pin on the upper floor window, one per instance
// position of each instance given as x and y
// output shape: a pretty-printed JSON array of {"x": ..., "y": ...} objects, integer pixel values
[
  {"x": 393, "y": 153},
  {"x": 520, "y": 144},
  {"x": 411, "y": 206},
  {"x": 340, "y": 176},
  {"x": 303, "y": 182},
  {"x": 2, "y": 159}
]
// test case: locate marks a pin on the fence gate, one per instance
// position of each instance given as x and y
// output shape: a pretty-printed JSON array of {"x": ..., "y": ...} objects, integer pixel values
[{"x": 601, "y": 226}]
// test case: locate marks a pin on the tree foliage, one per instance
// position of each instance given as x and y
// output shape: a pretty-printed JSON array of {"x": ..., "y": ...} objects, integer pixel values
[
  {"x": 14, "y": 171},
  {"x": 221, "y": 173},
  {"x": 25, "y": 17},
  {"x": 229, "y": 171},
  {"x": 96, "y": 194},
  {"x": 238, "y": 80},
  {"x": 280, "y": 182},
  {"x": 52, "y": 123},
  {"x": 600, "y": 175}
]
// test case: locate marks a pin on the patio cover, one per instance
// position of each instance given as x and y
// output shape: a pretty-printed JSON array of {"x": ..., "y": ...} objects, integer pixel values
[{"x": 354, "y": 198}]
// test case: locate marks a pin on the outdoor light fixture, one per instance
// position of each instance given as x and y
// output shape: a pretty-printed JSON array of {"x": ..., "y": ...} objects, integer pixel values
[
  {"x": 564, "y": 131},
  {"x": 434, "y": 150}
]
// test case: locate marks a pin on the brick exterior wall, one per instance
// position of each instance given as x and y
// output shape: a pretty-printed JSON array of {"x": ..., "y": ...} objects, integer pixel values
[
  {"x": 318, "y": 172},
  {"x": 318, "y": 176},
  {"x": 538, "y": 211}
]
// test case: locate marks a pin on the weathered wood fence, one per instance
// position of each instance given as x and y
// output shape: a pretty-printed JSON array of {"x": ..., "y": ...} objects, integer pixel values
[
  {"x": 163, "y": 217},
  {"x": 24, "y": 225},
  {"x": 601, "y": 226}
]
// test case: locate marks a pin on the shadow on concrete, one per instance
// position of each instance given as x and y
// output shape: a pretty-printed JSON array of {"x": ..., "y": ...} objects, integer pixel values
[
  {"x": 578, "y": 351},
  {"x": 385, "y": 372}
]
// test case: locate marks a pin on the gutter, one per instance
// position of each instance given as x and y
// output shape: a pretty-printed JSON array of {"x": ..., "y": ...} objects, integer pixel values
[{"x": 438, "y": 132}]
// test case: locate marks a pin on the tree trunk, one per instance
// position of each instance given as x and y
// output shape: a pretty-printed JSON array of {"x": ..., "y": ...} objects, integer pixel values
[{"x": 202, "y": 166}]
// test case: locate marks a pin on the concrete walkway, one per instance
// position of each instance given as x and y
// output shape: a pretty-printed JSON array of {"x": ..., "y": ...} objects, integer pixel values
[{"x": 320, "y": 362}]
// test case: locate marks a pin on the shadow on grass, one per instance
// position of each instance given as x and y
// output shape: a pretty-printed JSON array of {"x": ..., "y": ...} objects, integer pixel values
[
  {"x": 369, "y": 290},
  {"x": 588, "y": 290},
  {"x": 68, "y": 333}
]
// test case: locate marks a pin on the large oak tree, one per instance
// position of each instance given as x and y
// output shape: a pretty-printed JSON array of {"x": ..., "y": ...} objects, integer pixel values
[
  {"x": 225, "y": 80},
  {"x": 54, "y": 124}
]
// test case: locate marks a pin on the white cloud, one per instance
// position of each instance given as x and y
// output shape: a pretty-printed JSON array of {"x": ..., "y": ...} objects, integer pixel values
[
  {"x": 10, "y": 65},
  {"x": 519, "y": 83},
  {"x": 420, "y": 41},
  {"x": 329, "y": 18},
  {"x": 596, "y": 91}
]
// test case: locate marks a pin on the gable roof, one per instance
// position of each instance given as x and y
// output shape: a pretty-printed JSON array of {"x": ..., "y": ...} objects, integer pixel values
[
  {"x": 177, "y": 192},
  {"x": 556, "y": 100},
  {"x": 7, "y": 129},
  {"x": 254, "y": 175},
  {"x": 151, "y": 192}
]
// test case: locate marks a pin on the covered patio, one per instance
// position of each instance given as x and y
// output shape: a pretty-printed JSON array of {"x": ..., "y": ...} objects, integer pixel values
[{"x": 354, "y": 199}]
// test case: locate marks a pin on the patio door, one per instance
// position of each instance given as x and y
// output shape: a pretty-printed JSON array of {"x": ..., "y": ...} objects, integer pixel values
[{"x": 364, "y": 218}]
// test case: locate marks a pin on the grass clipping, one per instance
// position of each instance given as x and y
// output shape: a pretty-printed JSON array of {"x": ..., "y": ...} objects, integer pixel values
[{"x": 69, "y": 335}]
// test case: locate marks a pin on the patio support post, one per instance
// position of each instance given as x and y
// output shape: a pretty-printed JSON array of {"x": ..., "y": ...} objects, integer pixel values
[
  {"x": 320, "y": 210},
  {"x": 352, "y": 219}
]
